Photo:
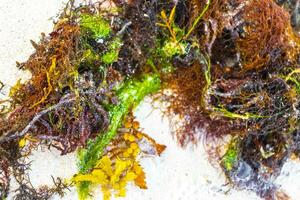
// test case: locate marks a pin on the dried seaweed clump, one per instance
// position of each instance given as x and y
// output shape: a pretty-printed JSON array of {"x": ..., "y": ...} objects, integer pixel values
[
  {"x": 76, "y": 99},
  {"x": 229, "y": 69},
  {"x": 266, "y": 21},
  {"x": 242, "y": 83},
  {"x": 57, "y": 92}
]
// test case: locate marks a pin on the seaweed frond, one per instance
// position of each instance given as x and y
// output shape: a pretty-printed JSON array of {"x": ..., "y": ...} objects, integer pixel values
[{"x": 120, "y": 163}]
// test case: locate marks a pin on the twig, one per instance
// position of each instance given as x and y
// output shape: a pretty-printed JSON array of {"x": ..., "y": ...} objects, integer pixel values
[{"x": 120, "y": 32}]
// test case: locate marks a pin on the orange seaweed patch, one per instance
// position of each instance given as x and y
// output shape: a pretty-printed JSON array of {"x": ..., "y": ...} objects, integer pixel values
[
  {"x": 185, "y": 101},
  {"x": 264, "y": 32},
  {"x": 50, "y": 67}
]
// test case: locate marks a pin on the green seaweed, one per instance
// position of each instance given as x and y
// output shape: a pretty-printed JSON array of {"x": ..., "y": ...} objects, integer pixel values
[
  {"x": 231, "y": 156},
  {"x": 111, "y": 55},
  {"x": 294, "y": 79},
  {"x": 95, "y": 25},
  {"x": 130, "y": 94},
  {"x": 172, "y": 48}
]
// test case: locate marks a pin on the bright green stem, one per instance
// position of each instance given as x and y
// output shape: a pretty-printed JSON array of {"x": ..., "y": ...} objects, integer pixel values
[
  {"x": 130, "y": 94},
  {"x": 198, "y": 19}
]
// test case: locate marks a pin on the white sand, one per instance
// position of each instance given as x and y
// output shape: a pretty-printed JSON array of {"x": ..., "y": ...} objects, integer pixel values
[{"x": 179, "y": 174}]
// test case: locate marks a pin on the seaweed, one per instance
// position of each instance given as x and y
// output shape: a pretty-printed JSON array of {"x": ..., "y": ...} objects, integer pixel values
[
  {"x": 225, "y": 68},
  {"x": 119, "y": 163},
  {"x": 129, "y": 94}
]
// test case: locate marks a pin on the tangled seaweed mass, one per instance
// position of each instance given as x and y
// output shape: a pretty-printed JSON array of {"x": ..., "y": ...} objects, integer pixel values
[{"x": 229, "y": 69}]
